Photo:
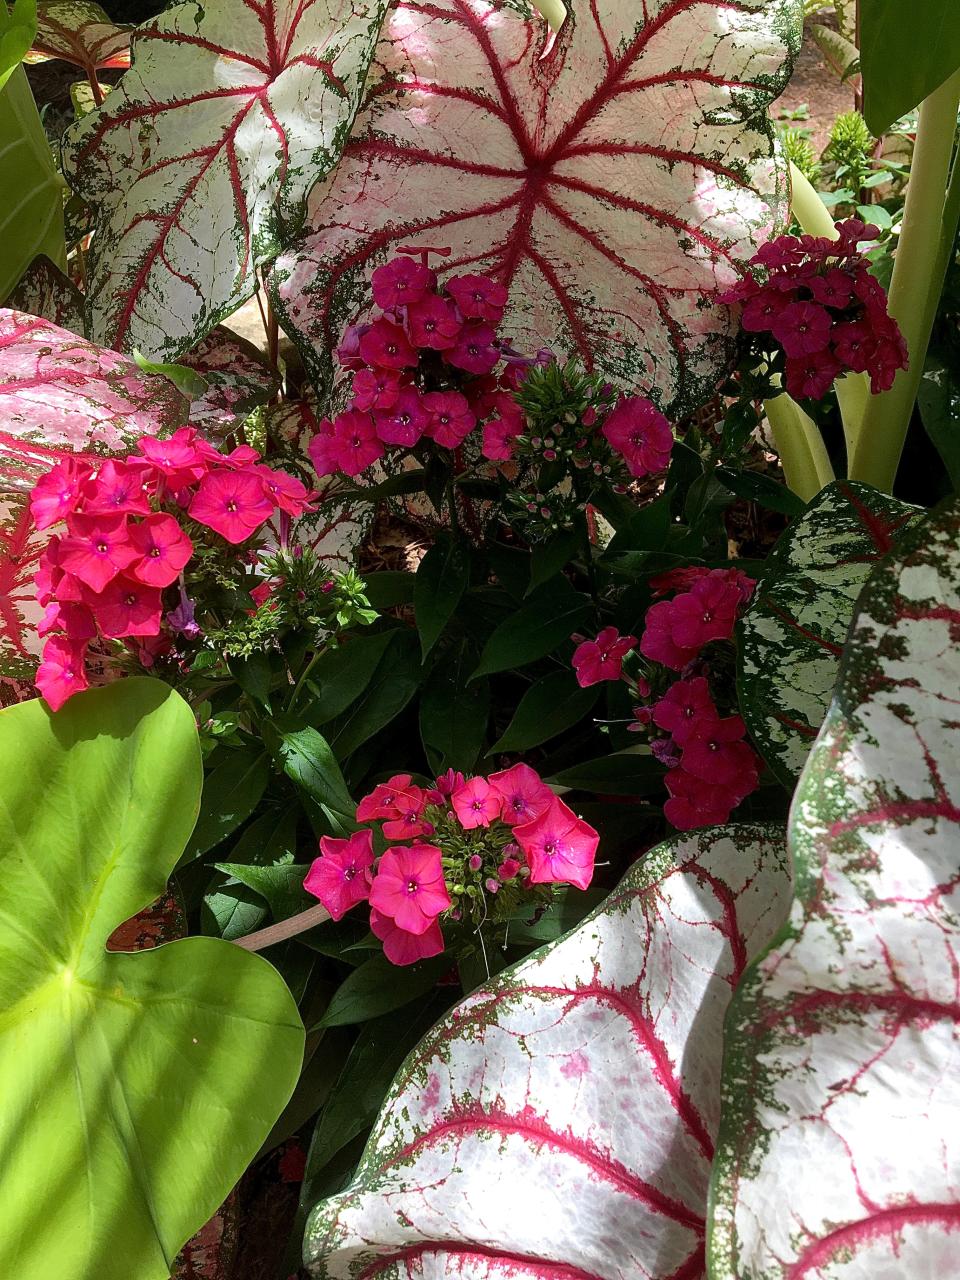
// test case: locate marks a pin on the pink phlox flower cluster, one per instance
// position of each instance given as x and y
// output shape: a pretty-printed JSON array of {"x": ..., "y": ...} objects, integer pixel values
[
  {"x": 124, "y": 543},
  {"x": 483, "y": 831},
  {"x": 818, "y": 300},
  {"x": 637, "y": 430},
  {"x": 425, "y": 368},
  {"x": 676, "y": 630}
]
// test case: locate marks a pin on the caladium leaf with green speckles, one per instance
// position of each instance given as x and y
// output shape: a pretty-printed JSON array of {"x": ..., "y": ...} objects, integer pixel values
[
  {"x": 792, "y": 635},
  {"x": 238, "y": 379},
  {"x": 839, "y": 1156},
  {"x": 80, "y": 32},
  {"x": 46, "y": 291},
  {"x": 199, "y": 162},
  {"x": 615, "y": 177},
  {"x": 559, "y": 1124}
]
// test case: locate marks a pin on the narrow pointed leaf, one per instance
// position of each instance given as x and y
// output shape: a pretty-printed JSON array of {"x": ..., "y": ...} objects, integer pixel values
[
  {"x": 840, "y": 1154},
  {"x": 560, "y": 1121},
  {"x": 792, "y": 635},
  {"x": 80, "y": 32},
  {"x": 614, "y": 178},
  {"x": 133, "y": 1081},
  {"x": 205, "y": 153}
]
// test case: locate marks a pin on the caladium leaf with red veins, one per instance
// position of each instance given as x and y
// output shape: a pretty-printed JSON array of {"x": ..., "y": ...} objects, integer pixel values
[
  {"x": 840, "y": 1152},
  {"x": 792, "y": 635},
  {"x": 560, "y": 1122},
  {"x": 199, "y": 162},
  {"x": 46, "y": 291},
  {"x": 80, "y": 32},
  {"x": 59, "y": 395},
  {"x": 238, "y": 379},
  {"x": 616, "y": 178}
]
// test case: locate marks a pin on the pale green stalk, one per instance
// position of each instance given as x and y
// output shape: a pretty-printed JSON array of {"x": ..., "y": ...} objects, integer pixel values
[
  {"x": 916, "y": 284},
  {"x": 803, "y": 456}
]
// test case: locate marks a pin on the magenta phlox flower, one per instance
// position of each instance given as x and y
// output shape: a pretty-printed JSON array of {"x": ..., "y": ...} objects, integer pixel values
[
  {"x": 409, "y": 887},
  {"x": 478, "y": 297},
  {"x": 62, "y": 671},
  {"x": 56, "y": 494},
  {"x": 522, "y": 792},
  {"x": 559, "y": 847},
  {"x": 401, "y": 947},
  {"x": 96, "y": 549},
  {"x": 638, "y": 431},
  {"x": 602, "y": 658},
  {"x": 400, "y": 281},
  {"x": 476, "y": 803},
  {"x": 163, "y": 548},
  {"x": 341, "y": 876}
]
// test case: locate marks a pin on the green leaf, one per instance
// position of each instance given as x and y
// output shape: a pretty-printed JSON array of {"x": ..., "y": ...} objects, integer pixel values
[
  {"x": 552, "y": 704},
  {"x": 31, "y": 190},
  {"x": 340, "y": 675},
  {"x": 254, "y": 675},
  {"x": 906, "y": 51},
  {"x": 550, "y": 557},
  {"x": 389, "y": 587},
  {"x": 938, "y": 399},
  {"x": 442, "y": 578},
  {"x": 133, "y": 1085},
  {"x": 187, "y": 381},
  {"x": 271, "y": 837},
  {"x": 625, "y": 774},
  {"x": 231, "y": 792},
  {"x": 762, "y": 489},
  {"x": 18, "y": 27},
  {"x": 231, "y": 911},
  {"x": 377, "y": 987},
  {"x": 550, "y": 616},
  {"x": 307, "y": 759},
  {"x": 453, "y": 713},
  {"x": 395, "y": 681},
  {"x": 281, "y": 886}
]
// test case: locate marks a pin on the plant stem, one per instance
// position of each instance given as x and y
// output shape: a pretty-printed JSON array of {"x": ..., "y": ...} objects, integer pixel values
[
  {"x": 853, "y": 390},
  {"x": 917, "y": 282},
  {"x": 803, "y": 455},
  {"x": 275, "y": 933},
  {"x": 95, "y": 88}
]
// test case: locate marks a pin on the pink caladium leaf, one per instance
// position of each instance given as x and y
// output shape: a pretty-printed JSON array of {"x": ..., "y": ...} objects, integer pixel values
[
  {"x": 560, "y": 1122},
  {"x": 792, "y": 635},
  {"x": 615, "y": 177},
  {"x": 238, "y": 379},
  {"x": 199, "y": 162},
  {"x": 80, "y": 32},
  {"x": 59, "y": 395},
  {"x": 46, "y": 291},
  {"x": 840, "y": 1152}
]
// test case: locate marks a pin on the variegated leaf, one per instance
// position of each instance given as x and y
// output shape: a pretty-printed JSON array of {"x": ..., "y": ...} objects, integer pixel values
[
  {"x": 200, "y": 161},
  {"x": 560, "y": 1122},
  {"x": 238, "y": 379},
  {"x": 615, "y": 177},
  {"x": 46, "y": 291},
  {"x": 840, "y": 1152},
  {"x": 80, "y": 32},
  {"x": 792, "y": 635},
  {"x": 59, "y": 394}
]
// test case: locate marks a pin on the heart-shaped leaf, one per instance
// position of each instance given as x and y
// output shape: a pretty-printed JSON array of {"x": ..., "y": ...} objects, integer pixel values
[
  {"x": 614, "y": 177},
  {"x": 80, "y": 32},
  {"x": 560, "y": 1121},
  {"x": 792, "y": 635},
  {"x": 238, "y": 379},
  {"x": 46, "y": 291},
  {"x": 204, "y": 154},
  {"x": 840, "y": 1151},
  {"x": 134, "y": 1089}
]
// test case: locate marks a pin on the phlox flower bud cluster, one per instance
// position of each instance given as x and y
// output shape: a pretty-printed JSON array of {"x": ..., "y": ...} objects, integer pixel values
[
  {"x": 125, "y": 545},
  {"x": 450, "y": 849},
  {"x": 818, "y": 301}
]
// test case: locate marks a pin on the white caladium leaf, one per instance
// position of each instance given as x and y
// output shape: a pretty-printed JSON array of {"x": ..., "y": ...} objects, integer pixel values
[
  {"x": 59, "y": 395},
  {"x": 560, "y": 1122},
  {"x": 615, "y": 177},
  {"x": 238, "y": 379},
  {"x": 205, "y": 151},
  {"x": 840, "y": 1152},
  {"x": 792, "y": 635},
  {"x": 80, "y": 32},
  {"x": 46, "y": 291}
]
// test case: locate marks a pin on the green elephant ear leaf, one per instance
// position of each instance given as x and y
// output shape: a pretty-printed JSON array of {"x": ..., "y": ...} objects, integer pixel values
[
  {"x": 839, "y": 1151},
  {"x": 792, "y": 635},
  {"x": 134, "y": 1086}
]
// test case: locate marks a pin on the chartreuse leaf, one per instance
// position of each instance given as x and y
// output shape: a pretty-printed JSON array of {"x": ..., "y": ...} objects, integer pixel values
[
  {"x": 839, "y": 1154},
  {"x": 906, "y": 51},
  {"x": 793, "y": 632},
  {"x": 199, "y": 162},
  {"x": 31, "y": 190},
  {"x": 136, "y": 1087},
  {"x": 560, "y": 1121},
  {"x": 589, "y": 201},
  {"x": 18, "y": 26}
]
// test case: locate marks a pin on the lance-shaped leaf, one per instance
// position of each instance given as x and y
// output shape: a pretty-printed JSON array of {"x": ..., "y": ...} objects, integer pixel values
[
  {"x": 615, "y": 177},
  {"x": 133, "y": 1084},
  {"x": 792, "y": 635},
  {"x": 205, "y": 152},
  {"x": 560, "y": 1122},
  {"x": 238, "y": 379},
  {"x": 59, "y": 394},
  {"x": 840, "y": 1152},
  {"x": 80, "y": 32}
]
